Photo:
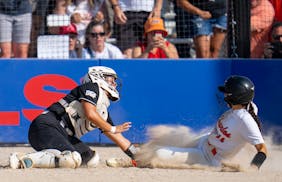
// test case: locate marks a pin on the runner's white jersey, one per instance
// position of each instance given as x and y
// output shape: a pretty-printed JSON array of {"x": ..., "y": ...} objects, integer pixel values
[{"x": 233, "y": 130}]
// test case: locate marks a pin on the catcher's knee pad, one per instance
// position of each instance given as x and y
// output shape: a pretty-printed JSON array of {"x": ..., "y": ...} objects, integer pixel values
[
  {"x": 94, "y": 161},
  {"x": 69, "y": 159}
]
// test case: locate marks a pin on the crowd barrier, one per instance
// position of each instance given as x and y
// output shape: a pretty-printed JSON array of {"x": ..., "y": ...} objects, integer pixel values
[{"x": 182, "y": 92}]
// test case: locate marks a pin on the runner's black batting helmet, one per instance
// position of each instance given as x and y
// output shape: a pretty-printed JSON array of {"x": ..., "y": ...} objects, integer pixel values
[{"x": 238, "y": 90}]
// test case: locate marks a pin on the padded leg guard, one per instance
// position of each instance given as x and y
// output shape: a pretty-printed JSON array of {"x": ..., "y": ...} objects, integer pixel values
[
  {"x": 37, "y": 159},
  {"x": 45, "y": 159},
  {"x": 94, "y": 161}
]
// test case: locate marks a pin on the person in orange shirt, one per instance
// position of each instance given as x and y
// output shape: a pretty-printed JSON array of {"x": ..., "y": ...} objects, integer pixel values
[
  {"x": 155, "y": 45},
  {"x": 262, "y": 16},
  {"x": 277, "y": 5}
]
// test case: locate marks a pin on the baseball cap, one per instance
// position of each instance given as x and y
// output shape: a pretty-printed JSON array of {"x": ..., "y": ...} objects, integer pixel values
[
  {"x": 71, "y": 29},
  {"x": 153, "y": 24}
]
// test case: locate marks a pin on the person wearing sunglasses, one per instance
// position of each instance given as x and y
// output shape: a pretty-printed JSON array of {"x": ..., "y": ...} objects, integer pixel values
[
  {"x": 155, "y": 45},
  {"x": 95, "y": 46},
  {"x": 273, "y": 49}
]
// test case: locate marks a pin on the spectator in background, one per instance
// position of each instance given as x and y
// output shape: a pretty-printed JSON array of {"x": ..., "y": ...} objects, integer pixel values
[
  {"x": 277, "y": 5},
  {"x": 75, "y": 47},
  {"x": 15, "y": 28},
  {"x": 59, "y": 9},
  {"x": 209, "y": 21},
  {"x": 262, "y": 15},
  {"x": 82, "y": 12},
  {"x": 184, "y": 29},
  {"x": 95, "y": 46},
  {"x": 155, "y": 45},
  {"x": 273, "y": 49},
  {"x": 130, "y": 17},
  {"x": 41, "y": 8}
]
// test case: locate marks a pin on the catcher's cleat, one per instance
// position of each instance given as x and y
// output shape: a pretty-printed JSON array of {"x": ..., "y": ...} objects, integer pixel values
[
  {"x": 14, "y": 160},
  {"x": 120, "y": 162}
]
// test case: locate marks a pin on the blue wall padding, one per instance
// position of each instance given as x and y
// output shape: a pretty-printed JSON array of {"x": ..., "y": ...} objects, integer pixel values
[{"x": 173, "y": 92}]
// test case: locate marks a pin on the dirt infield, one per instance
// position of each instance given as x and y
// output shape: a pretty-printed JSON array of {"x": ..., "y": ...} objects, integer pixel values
[{"x": 270, "y": 171}]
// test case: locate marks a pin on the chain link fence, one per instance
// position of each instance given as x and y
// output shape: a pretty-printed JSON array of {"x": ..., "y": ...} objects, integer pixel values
[{"x": 184, "y": 29}]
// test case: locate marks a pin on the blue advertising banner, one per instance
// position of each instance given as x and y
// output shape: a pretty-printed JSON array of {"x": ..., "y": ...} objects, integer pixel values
[{"x": 173, "y": 92}]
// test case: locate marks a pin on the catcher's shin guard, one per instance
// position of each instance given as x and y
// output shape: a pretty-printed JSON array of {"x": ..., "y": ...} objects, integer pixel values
[
  {"x": 45, "y": 159},
  {"x": 37, "y": 159}
]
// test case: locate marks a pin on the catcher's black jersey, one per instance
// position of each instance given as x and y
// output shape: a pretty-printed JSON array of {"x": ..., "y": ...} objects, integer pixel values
[
  {"x": 88, "y": 92},
  {"x": 91, "y": 93}
]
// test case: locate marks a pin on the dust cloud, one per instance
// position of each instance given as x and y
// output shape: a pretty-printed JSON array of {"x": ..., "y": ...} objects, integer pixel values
[{"x": 182, "y": 136}]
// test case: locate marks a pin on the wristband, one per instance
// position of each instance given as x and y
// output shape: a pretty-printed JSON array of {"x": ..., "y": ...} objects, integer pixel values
[
  {"x": 258, "y": 159},
  {"x": 113, "y": 129}
]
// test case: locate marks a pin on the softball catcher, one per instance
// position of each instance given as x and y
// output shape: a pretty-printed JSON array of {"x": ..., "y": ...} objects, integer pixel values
[{"x": 56, "y": 133}]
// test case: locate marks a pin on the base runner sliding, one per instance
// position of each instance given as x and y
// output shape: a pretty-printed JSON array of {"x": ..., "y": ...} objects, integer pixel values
[{"x": 233, "y": 130}]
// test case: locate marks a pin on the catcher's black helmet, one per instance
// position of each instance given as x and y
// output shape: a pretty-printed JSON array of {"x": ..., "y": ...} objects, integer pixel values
[{"x": 238, "y": 90}]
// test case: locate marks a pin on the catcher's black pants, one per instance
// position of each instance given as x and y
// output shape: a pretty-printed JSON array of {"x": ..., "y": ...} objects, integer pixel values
[{"x": 46, "y": 132}]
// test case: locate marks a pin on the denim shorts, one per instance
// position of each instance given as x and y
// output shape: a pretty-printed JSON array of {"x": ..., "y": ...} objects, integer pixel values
[{"x": 205, "y": 26}]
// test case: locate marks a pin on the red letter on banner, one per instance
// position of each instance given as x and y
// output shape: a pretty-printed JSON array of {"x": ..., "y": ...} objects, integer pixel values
[
  {"x": 36, "y": 93},
  {"x": 10, "y": 118}
]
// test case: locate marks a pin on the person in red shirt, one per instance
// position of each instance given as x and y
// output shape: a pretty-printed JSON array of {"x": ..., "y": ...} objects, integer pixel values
[
  {"x": 155, "y": 45},
  {"x": 277, "y": 5}
]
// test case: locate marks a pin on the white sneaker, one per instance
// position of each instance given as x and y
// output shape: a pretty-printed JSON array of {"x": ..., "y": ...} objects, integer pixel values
[
  {"x": 14, "y": 161},
  {"x": 119, "y": 162}
]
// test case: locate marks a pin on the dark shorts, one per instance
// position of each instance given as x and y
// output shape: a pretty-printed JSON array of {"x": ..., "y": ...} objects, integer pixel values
[
  {"x": 46, "y": 132},
  {"x": 129, "y": 34}
]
